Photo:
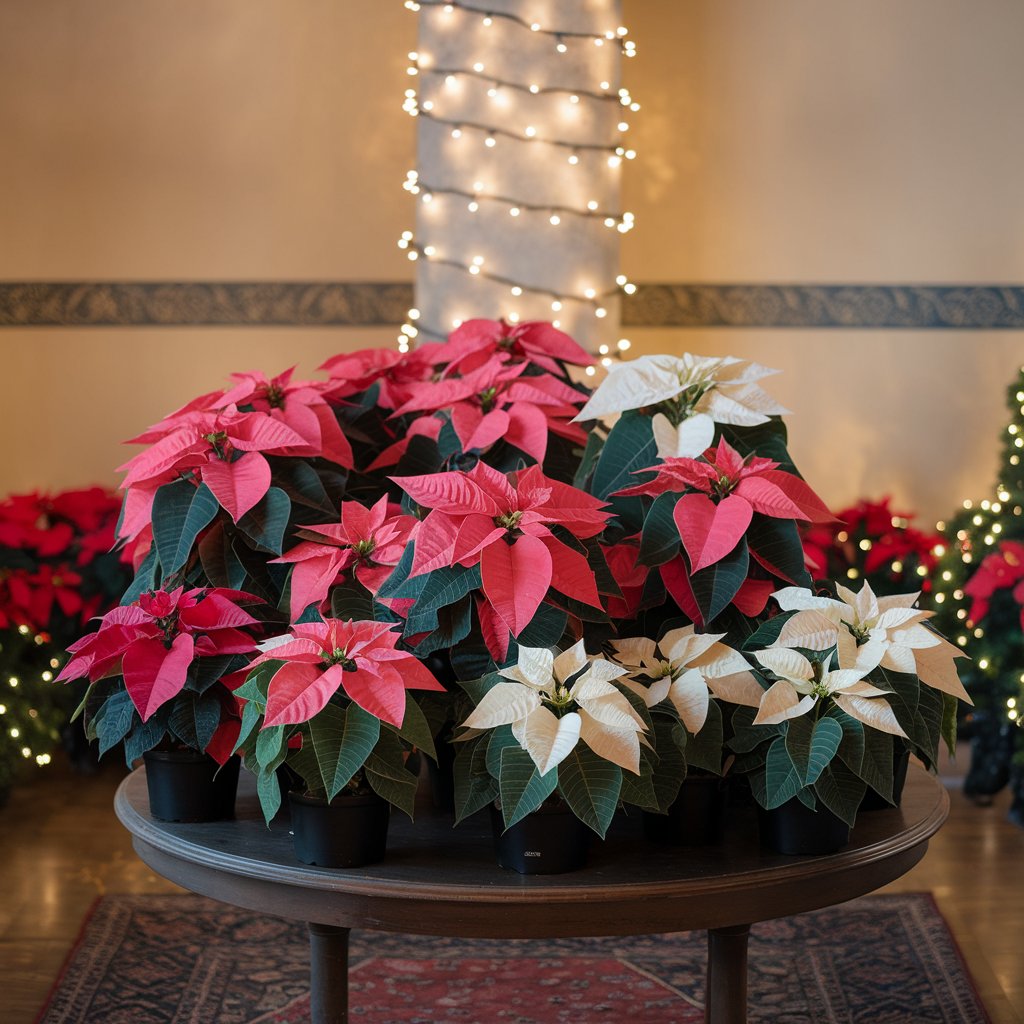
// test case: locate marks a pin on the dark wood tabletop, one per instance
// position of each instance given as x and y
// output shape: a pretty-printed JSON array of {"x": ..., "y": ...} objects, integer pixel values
[{"x": 440, "y": 880}]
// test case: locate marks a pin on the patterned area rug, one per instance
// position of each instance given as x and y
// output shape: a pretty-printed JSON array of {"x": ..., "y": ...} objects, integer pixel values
[{"x": 188, "y": 960}]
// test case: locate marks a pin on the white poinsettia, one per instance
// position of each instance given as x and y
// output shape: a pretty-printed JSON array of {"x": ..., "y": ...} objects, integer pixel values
[
  {"x": 802, "y": 683},
  {"x": 687, "y": 668},
  {"x": 869, "y": 632},
  {"x": 552, "y": 702},
  {"x": 712, "y": 389}
]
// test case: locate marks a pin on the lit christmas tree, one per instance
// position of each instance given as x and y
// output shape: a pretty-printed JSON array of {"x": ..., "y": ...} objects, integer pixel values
[{"x": 978, "y": 598}]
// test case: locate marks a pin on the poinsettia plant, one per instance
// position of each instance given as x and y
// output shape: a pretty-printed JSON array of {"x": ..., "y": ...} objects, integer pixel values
[
  {"x": 552, "y": 723},
  {"x": 160, "y": 671},
  {"x": 330, "y": 701},
  {"x": 846, "y": 673}
]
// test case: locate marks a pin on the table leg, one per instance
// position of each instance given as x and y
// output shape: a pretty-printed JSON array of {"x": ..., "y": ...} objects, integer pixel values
[
  {"x": 328, "y": 974},
  {"x": 725, "y": 1000}
]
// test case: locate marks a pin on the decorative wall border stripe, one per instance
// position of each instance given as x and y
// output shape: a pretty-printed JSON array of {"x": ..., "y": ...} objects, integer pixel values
[{"x": 384, "y": 304}]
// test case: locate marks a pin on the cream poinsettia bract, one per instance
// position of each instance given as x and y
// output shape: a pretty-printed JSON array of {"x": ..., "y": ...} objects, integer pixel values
[
  {"x": 554, "y": 701},
  {"x": 869, "y": 632},
  {"x": 802, "y": 683},
  {"x": 699, "y": 391},
  {"x": 687, "y": 668}
]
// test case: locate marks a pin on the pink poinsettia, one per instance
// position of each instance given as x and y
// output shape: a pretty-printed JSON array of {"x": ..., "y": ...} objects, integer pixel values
[
  {"x": 496, "y": 401},
  {"x": 359, "y": 658},
  {"x": 223, "y": 449},
  {"x": 369, "y": 541},
  {"x": 503, "y": 524},
  {"x": 152, "y": 642},
  {"x": 397, "y": 374},
  {"x": 300, "y": 405},
  {"x": 720, "y": 494},
  {"x": 475, "y": 342}
]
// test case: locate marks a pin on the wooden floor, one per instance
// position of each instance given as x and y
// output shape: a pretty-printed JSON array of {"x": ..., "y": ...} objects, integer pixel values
[{"x": 61, "y": 847}]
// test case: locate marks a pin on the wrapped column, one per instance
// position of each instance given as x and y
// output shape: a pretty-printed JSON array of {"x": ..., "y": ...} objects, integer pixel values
[{"x": 521, "y": 140}]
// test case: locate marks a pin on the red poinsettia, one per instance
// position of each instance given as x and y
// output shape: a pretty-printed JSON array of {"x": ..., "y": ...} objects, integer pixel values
[
  {"x": 225, "y": 450},
  {"x": 369, "y": 541},
  {"x": 476, "y": 342},
  {"x": 503, "y": 524},
  {"x": 496, "y": 401},
  {"x": 300, "y": 405},
  {"x": 152, "y": 642},
  {"x": 396, "y": 374},
  {"x": 360, "y": 658},
  {"x": 1002, "y": 570},
  {"x": 630, "y": 576},
  {"x": 720, "y": 494}
]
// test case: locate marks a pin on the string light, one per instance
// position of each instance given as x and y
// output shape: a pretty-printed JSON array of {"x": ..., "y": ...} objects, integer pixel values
[
  {"x": 621, "y": 34},
  {"x": 455, "y": 98},
  {"x": 623, "y": 221}
]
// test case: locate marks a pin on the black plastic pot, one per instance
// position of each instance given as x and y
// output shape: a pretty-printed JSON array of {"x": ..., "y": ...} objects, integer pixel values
[
  {"x": 695, "y": 818},
  {"x": 346, "y": 833},
  {"x": 549, "y": 841},
  {"x": 795, "y": 829},
  {"x": 186, "y": 785},
  {"x": 900, "y": 763}
]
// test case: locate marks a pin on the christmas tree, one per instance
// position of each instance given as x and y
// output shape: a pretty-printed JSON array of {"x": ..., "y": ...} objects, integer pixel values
[{"x": 978, "y": 601}]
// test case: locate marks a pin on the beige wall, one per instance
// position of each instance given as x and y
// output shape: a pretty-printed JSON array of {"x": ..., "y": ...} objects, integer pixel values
[{"x": 792, "y": 141}]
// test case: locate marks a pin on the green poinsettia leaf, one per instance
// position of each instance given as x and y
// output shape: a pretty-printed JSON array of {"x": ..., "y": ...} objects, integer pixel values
[
  {"x": 342, "y": 740},
  {"x": 145, "y": 579},
  {"x": 116, "y": 717},
  {"x": 195, "y": 718},
  {"x": 629, "y": 447},
  {"x": 782, "y": 778},
  {"x": 351, "y": 600},
  {"x": 474, "y": 786},
  {"x": 387, "y": 775},
  {"x": 271, "y": 747},
  {"x": 876, "y": 769},
  {"x": 704, "y": 750},
  {"x": 714, "y": 587},
  {"x": 265, "y": 523},
  {"x": 521, "y": 787},
  {"x": 841, "y": 791},
  {"x": 659, "y": 541},
  {"x": 825, "y": 740},
  {"x": 415, "y": 728},
  {"x": 590, "y": 786},
  {"x": 180, "y": 512},
  {"x": 639, "y": 790},
  {"x": 268, "y": 789},
  {"x": 219, "y": 562}
]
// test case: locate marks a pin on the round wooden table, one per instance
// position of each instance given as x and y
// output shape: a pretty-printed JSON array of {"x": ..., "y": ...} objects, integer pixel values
[{"x": 443, "y": 881}]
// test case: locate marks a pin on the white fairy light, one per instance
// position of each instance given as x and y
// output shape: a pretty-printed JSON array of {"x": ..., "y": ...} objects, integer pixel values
[{"x": 563, "y": 201}]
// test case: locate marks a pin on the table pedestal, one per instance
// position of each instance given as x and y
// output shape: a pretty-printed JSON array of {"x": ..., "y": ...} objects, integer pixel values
[
  {"x": 725, "y": 991},
  {"x": 328, "y": 974}
]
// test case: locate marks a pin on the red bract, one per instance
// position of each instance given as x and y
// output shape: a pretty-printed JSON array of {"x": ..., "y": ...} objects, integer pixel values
[
  {"x": 300, "y": 405},
  {"x": 359, "y": 658},
  {"x": 503, "y": 523},
  {"x": 475, "y": 342},
  {"x": 224, "y": 449},
  {"x": 153, "y": 642},
  {"x": 370, "y": 542},
  {"x": 496, "y": 402},
  {"x": 1003, "y": 570},
  {"x": 630, "y": 577},
  {"x": 722, "y": 492},
  {"x": 397, "y": 374}
]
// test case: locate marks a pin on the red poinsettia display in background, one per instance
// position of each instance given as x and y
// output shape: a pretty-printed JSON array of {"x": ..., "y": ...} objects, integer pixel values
[
  {"x": 55, "y": 572},
  {"x": 872, "y": 541},
  {"x": 714, "y": 501},
  {"x": 1002, "y": 570},
  {"x": 158, "y": 640}
]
